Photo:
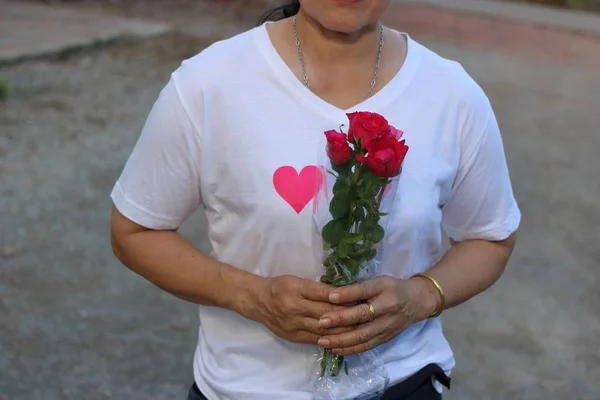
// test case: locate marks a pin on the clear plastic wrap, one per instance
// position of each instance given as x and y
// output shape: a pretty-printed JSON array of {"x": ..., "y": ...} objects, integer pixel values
[{"x": 350, "y": 213}]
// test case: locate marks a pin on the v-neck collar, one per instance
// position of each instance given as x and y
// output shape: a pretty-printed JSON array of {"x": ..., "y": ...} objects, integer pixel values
[{"x": 379, "y": 100}]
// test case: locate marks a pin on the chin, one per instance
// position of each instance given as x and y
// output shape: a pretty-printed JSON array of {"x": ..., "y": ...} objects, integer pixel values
[
  {"x": 345, "y": 16},
  {"x": 344, "y": 25}
]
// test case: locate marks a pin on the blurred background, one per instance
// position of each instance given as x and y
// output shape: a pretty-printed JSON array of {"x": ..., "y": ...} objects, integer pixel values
[{"x": 77, "y": 80}]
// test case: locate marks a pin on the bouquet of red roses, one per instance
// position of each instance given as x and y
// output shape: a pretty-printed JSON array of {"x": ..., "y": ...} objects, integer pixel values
[{"x": 362, "y": 169}]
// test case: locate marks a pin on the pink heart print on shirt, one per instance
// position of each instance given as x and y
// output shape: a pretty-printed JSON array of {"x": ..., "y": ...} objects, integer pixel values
[{"x": 298, "y": 189}]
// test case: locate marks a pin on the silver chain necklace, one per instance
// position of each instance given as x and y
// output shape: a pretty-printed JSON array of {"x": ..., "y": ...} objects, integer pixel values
[{"x": 303, "y": 67}]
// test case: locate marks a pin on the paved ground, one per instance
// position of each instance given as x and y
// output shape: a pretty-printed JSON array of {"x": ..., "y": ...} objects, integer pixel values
[
  {"x": 77, "y": 325},
  {"x": 541, "y": 12},
  {"x": 24, "y": 29}
]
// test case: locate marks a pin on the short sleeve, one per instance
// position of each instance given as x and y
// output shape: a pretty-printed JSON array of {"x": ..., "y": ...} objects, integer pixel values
[
  {"x": 159, "y": 188},
  {"x": 482, "y": 204}
]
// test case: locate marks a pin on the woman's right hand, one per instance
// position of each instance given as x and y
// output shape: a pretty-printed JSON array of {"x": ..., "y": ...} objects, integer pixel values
[{"x": 291, "y": 307}]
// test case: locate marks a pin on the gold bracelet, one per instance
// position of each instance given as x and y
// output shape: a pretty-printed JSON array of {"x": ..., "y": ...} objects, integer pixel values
[{"x": 440, "y": 309}]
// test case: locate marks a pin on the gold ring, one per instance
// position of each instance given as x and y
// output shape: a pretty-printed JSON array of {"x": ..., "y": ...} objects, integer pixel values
[{"x": 372, "y": 310}]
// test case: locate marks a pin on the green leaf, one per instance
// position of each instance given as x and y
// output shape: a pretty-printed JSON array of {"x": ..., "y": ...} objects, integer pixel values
[
  {"x": 325, "y": 279},
  {"x": 342, "y": 250},
  {"x": 362, "y": 227},
  {"x": 326, "y": 246},
  {"x": 334, "y": 231},
  {"x": 342, "y": 170},
  {"x": 372, "y": 219},
  {"x": 352, "y": 265},
  {"x": 356, "y": 255},
  {"x": 339, "y": 186},
  {"x": 370, "y": 254},
  {"x": 351, "y": 238},
  {"x": 376, "y": 234},
  {"x": 340, "y": 205},
  {"x": 368, "y": 224}
]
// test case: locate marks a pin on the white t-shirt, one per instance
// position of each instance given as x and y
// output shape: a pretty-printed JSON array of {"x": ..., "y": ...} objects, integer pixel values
[{"x": 234, "y": 130}]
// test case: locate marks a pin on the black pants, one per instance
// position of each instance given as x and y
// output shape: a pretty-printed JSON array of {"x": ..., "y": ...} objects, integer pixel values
[{"x": 417, "y": 387}]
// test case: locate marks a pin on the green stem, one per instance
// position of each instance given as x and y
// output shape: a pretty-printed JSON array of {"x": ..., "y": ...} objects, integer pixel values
[
  {"x": 354, "y": 182},
  {"x": 331, "y": 364}
]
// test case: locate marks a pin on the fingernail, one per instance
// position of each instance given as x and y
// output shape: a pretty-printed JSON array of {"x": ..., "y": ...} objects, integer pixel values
[
  {"x": 325, "y": 323},
  {"x": 324, "y": 343},
  {"x": 334, "y": 297}
]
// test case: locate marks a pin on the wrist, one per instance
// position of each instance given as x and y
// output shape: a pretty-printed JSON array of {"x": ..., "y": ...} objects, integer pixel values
[
  {"x": 245, "y": 295},
  {"x": 427, "y": 298}
]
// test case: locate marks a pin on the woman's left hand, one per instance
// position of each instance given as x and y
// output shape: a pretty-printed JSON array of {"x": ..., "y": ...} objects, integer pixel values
[{"x": 396, "y": 304}]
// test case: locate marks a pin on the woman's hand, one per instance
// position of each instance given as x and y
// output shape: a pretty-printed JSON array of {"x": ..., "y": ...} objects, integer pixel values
[
  {"x": 397, "y": 304},
  {"x": 291, "y": 307}
]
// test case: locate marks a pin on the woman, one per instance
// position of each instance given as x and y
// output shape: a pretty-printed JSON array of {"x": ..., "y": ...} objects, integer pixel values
[{"x": 246, "y": 109}]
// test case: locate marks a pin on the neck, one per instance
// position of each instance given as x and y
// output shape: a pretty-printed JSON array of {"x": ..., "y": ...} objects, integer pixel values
[{"x": 336, "y": 47}]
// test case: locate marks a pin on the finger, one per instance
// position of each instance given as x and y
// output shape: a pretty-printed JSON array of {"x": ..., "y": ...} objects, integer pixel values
[
  {"x": 312, "y": 325},
  {"x": 348, "y": 316},
  {"x": 315, "y": 291},
  {"x": 306, "y": 337},
  {"x": 315, "y": 309},
  {"x": 361, "y": 335},
  {"x": 361, "y": 348},
  {"x": 359, "y": 291},
  {"x": 337, "y": 331}
]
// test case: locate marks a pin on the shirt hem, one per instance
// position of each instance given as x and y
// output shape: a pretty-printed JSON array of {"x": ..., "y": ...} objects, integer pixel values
[
  {"x": 137, "y": 213},
  {"x": 495, "y": 233}
]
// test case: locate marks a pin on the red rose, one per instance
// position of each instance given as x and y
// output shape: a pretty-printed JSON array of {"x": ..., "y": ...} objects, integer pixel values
[
  {"x": 385, "y": 157},
  {"x": 338, "y": 148},
  {"x": 397, "y": 133},
  {"x": 367, "y": 127}
]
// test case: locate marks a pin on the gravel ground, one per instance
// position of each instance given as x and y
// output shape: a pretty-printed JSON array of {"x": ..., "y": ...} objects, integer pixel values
[{"x": 76, "y": 324}]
